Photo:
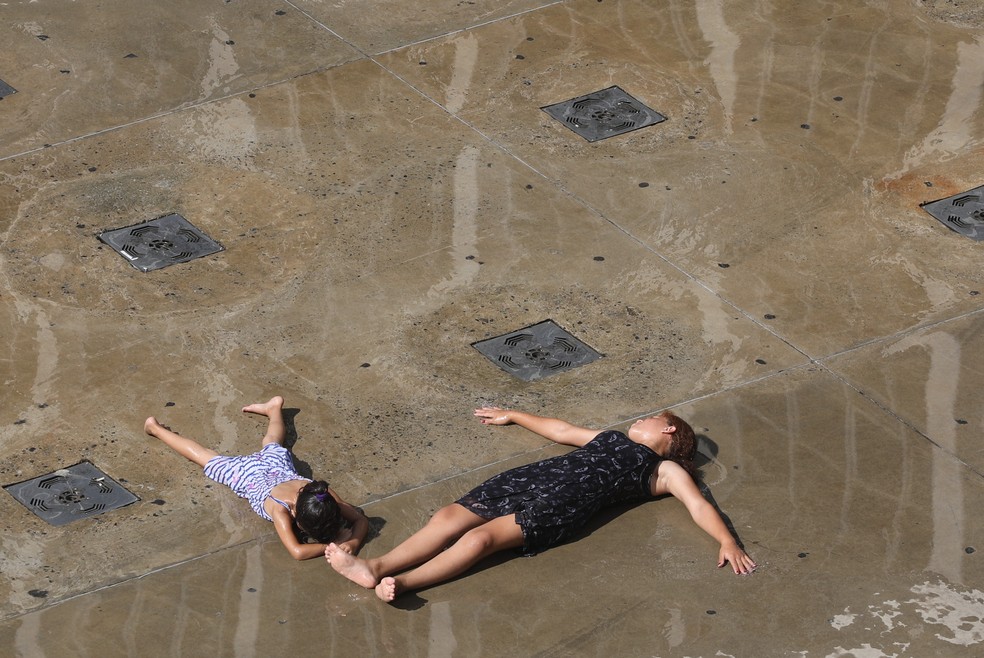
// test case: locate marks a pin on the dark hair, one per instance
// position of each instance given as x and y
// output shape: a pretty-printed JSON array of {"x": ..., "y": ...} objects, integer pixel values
[
  {"x": 316, "y": 513},
  {"x": 683, "y": 444}
]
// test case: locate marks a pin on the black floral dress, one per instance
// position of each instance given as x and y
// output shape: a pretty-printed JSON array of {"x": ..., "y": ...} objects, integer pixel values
[{"x": 555, "y": 497}]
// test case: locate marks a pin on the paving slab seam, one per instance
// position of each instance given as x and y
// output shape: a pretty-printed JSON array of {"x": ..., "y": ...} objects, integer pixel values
[
  {"x": 99, "y": 588},
  {"x": 324, "y": 27},
  {"x": 821, "y": 363},
  {"x": 167, "y": 113},
  {"x": 419, "y": 41},
  {"x": 900, "y": 334},
  {"x": 890, "y": 413},
  {"x": 470, "y": 27}
]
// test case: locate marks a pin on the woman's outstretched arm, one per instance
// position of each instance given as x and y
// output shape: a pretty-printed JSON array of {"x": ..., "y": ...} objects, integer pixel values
[
  {"x": 558, "y": 431},
  {"x": 679, "y": 483}
]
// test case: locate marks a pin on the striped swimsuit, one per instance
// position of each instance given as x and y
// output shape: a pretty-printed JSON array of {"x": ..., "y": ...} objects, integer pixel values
[{"x": 254, "y": 476}]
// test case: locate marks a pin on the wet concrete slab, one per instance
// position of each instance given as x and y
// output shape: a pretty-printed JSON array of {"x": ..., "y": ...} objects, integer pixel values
[
  {"x": 388, "y": 191},
  {"x": 81, "y": 68},
  {"x": 929, "y": 379}
]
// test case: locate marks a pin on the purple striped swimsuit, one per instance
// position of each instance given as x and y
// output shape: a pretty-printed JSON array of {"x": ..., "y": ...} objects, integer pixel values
[{"x": 254, "y": 476}]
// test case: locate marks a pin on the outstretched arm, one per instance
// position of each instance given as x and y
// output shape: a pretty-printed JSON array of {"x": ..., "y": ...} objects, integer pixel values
[
  {"x": 679, "y": 483},
  {"x": 359, "y": 526},
  {"x": 558, "y": 431},
  {"x": 350, "y": 541},
  {"x": 284, "y": 525}
]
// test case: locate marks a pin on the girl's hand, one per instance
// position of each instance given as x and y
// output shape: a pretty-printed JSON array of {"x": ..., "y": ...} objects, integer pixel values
[
  {"x": 493, "y": 416},
  {"x": 740, "y": 561}
]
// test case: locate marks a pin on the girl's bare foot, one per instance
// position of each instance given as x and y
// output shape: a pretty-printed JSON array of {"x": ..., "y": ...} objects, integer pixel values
[
  {"x": 264, "y": 408},
  {"x": 387, "y": 590},
  {"x": 151, "y": 426},
  {"x": 351, "y": 567}
]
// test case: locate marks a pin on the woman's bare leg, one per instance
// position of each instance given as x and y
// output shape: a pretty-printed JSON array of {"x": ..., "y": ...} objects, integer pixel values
[
  {"x": 447, "y": 525},
  {"x": 187, "y": 448},
  {"x": 273, "y": 410},
  {"x": 478, "y": 543}
]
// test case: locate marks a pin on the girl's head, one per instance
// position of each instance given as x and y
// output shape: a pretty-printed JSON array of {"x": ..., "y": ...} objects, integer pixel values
[{"x": 316, "y": 512}]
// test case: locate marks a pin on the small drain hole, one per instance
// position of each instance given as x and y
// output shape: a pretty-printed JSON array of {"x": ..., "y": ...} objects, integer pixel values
[
  {"x": 70, "y": 497},
  {"x": 160, "y": 244}
]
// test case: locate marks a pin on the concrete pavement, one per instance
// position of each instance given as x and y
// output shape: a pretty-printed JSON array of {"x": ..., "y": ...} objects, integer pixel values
[{"x": 388, "y": 191}]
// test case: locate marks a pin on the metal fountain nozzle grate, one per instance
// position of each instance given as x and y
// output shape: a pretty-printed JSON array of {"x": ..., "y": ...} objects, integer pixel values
[
  {"x": 963, "y": 213},
  {"x": 70, "y": 494},
  {"x": 537, "y": 351},
  {"x": 160, "y": 242},
  {"x": 603, "y": 114}
]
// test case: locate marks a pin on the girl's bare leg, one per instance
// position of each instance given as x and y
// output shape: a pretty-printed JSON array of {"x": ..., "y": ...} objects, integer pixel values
[
  {"x": 478, "y": 543},
  {"x": 448, "y": 524},
  {"x": 187, "y": 448},
  {"x": 273, "y": 410}
]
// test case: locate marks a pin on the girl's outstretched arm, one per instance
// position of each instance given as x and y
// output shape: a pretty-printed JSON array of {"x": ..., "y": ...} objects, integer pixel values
[
  {"x": 359, "y": 523},
  {"x": 558, "y": 431},
  {"x": 679, "y": 483},
  {"x": 284, "y": 525}
]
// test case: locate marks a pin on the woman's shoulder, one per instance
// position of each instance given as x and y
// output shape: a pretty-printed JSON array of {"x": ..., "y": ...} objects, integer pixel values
[
  {"x": 610, "y": 435},
  {"x": 670, "y": 477}
]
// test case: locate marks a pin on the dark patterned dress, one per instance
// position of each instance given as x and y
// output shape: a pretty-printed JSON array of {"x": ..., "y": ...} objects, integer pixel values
[{"x": 555, "y": 497}]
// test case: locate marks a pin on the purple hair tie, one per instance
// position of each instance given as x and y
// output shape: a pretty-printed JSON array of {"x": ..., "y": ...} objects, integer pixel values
[{"x": 321, "y": 497}]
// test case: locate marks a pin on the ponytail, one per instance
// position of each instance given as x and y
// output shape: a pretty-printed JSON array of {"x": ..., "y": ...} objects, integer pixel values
[{"x": 316, "y": 513}]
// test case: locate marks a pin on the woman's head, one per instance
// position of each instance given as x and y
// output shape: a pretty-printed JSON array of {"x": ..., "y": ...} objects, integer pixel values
[
  {"x": 316, "y": 512},
  {"x": 683, "y": 443},
  {"x": 669, "y": 436}
]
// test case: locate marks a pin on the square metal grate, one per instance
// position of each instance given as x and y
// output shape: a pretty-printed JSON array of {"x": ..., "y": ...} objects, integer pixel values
[
  {"x": 536, "y": 352},
  {"x": 603, "y": 114},
  {"x": 963, "y": 213},
  {"x": 6, "y": 90},
  {"x": 70, "y": 494},
  {"x": 160, "y": 242}
]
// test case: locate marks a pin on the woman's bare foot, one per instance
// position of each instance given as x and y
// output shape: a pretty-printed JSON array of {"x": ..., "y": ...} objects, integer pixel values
[
  {"x": 353, "y": 568},
  {"x": 264, "y": 408},
  {"x": 387, "y": 590}
]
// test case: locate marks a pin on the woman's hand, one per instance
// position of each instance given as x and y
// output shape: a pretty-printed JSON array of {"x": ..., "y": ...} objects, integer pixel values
[
  {"x": 493, "y": 416},
  {"x": 558, "y": 431}
]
